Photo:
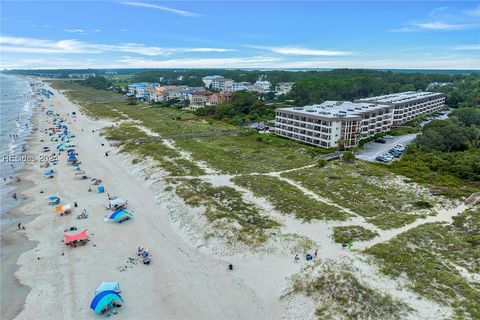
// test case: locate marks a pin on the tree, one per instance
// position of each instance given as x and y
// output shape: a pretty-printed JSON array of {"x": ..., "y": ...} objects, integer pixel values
[{"x": 348, "y": 157}]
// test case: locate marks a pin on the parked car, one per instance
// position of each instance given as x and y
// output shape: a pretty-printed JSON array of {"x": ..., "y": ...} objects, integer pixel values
[
  {"x": 380, "y": 140},
  {"x": 395, "y": 153},
  {"x": 382, "y": 159},
  {"x": 387, "y": 137},
  {"x": 400, "y": 147},
  {"x": 387, "y": 156}
]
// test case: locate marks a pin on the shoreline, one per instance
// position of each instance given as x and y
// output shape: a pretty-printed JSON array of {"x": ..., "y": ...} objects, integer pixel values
[{"x": 14, "y": 242}]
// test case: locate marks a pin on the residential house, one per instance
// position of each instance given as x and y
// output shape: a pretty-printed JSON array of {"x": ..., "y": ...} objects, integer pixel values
[
  {"x": 208, "y": 80},
  {"x": 262, "y": 86},
  {"x": 283, "y": 88}
]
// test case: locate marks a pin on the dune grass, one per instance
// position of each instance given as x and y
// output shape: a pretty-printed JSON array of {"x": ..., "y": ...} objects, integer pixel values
[
  {"x": 226, "y": 207},
  {"x": 249, "y": 153},
  {"x": 348, "y": 234},
  {"x": 430, "y": 255},
  {"x": 338, "y": 294},
  {"x": 288, "y": 199},
  {"x": 367, "y": 190}
]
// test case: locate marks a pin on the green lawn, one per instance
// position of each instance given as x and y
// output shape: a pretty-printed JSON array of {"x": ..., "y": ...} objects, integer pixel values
[
  {"x": 288, "y": 199},
  {"x": 427, "y": 256},
  {"x": 366, "y": 189}
]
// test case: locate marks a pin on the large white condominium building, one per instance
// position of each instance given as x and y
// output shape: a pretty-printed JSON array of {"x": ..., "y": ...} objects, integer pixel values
[
  {"x": 333, "y": 123},
  {"x": 408, "y": 105}
]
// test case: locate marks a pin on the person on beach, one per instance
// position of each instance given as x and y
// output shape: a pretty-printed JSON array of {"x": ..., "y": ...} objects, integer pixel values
[
  {"x": 14, "y": 196},
  {"x": 297, "y": 258},
  {"x": 19, "y": 225},
  {"x": 316, "y": 253}
]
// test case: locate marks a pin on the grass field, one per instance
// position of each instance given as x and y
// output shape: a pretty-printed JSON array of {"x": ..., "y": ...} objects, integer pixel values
[
  {"x": 366, "y": 189},
  {"x": 288, "y": 199},
  {"x": 431, "y": 255}
]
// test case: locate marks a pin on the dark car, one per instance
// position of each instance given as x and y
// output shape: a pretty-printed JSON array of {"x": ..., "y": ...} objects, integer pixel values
[{"x": 380, "y": 140}]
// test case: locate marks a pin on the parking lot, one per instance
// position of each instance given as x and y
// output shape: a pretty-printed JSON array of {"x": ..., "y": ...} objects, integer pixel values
[{"x": 373, "y": 149}]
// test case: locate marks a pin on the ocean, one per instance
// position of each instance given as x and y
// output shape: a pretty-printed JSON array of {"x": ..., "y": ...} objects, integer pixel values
[{"x": 16, "y": 108}]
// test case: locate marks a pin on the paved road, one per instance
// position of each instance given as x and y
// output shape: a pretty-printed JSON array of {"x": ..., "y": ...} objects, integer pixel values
[{"x": 372, "y": 149}]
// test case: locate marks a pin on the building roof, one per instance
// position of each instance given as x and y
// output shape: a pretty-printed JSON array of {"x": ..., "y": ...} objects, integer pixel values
[
  {"x": 202, "y": 93},
  {"x": 212, "y": 77},
  {"x": 336, "y": 109},
  {"x": 401, "y": 97}
]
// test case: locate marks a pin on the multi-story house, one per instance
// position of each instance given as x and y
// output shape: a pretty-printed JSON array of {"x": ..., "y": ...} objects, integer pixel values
[
  {"x": 208, "y": 80},
  {"x": 241, "y": 86},
  {"x": 283, "y": 88},
  {"x": 222, "y": 84},
  {"x": 262, "y": 86}
]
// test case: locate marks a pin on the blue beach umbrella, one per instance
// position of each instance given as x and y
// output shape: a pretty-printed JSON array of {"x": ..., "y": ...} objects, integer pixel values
[
  {"x": 48, "y": 172},
  {"x": 119, "y": 215},
  {"x": 105, "y": 286},
  {"x": 53, "y": 198},
  {"x": 103, "y": 299}
]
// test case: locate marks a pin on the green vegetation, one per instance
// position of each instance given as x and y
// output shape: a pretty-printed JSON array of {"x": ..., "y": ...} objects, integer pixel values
[
  {"x": 123, "y": 132},
  {"x": 96, "y": 83},
  {"x": 344, "y": 84},
  {"x": 288, "y": 199},
  {"x": 340, "y": 295},
  {"x": 348, "y": 234},
  {"x": 448, "y": 136},
  {"x": 169, "y": 159},
  {"x": 431, "y": 255},
  {"x": 367, "y": 189},
  {"x": 244, "y": 107},
  {"x": 250, "y": 153},
  {"x": 225, "y": 204},
  {"x": 164, "y": 121}
]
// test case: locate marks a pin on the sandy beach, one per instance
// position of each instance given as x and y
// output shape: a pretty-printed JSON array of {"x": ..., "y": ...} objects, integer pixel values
[
  {"x": 182, "y": 281},
  {"x": 188, "y": 277}
]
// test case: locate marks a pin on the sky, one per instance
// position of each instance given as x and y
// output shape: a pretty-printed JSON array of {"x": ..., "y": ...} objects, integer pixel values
[{"x": 240, "y": 34}]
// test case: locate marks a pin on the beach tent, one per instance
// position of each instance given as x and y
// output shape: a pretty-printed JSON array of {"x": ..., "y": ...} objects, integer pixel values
[
  {"x": 108, "y": 286},
  {"x": 80, "y": 173},
  {"x": 117, "y": 202},
  {"x": 48, "y": 172},
  {"x": 61, "y": 146},
  {"x": 53, "y": 200},
  {"x": 63, "y": 208},
  {"x": 104, "y": 299},
  {"x": 100, "y": 189},
  {"x": 75, "y": 237},
  {"x": 119, "y": 215}
]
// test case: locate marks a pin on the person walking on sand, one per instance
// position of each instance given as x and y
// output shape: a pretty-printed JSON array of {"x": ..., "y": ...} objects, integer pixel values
[
  {"x": 297, "y": 258},
  {"x": 316, "y": 253},
  {"x": 19, "y": 225}
]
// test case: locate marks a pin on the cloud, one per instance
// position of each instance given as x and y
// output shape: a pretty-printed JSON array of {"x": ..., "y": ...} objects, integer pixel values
[
  {"x": 74, "y": 30},
  {"x": 437, "y": 25},
  {"x": 301, "y": 51},
  {"x": 404, "y": 29},
  {"x": 162, "y": 8},
  {"x": 250, "y": 62},
  {"x": 468, "y": 47},
  {"x": 70, "y": 46}
]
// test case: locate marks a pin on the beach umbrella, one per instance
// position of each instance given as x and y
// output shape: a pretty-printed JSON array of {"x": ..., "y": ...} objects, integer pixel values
[
  {"x": 103, "y": 299},
  {"x": 60, "y": 146},
  {"x": 63, "y": 208},
  {"x": 119, "y": 215},
  {"x": 48, "y": 172},
  {"x": 101, "y": 189},
  {"x": 106, "y": 286}
]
